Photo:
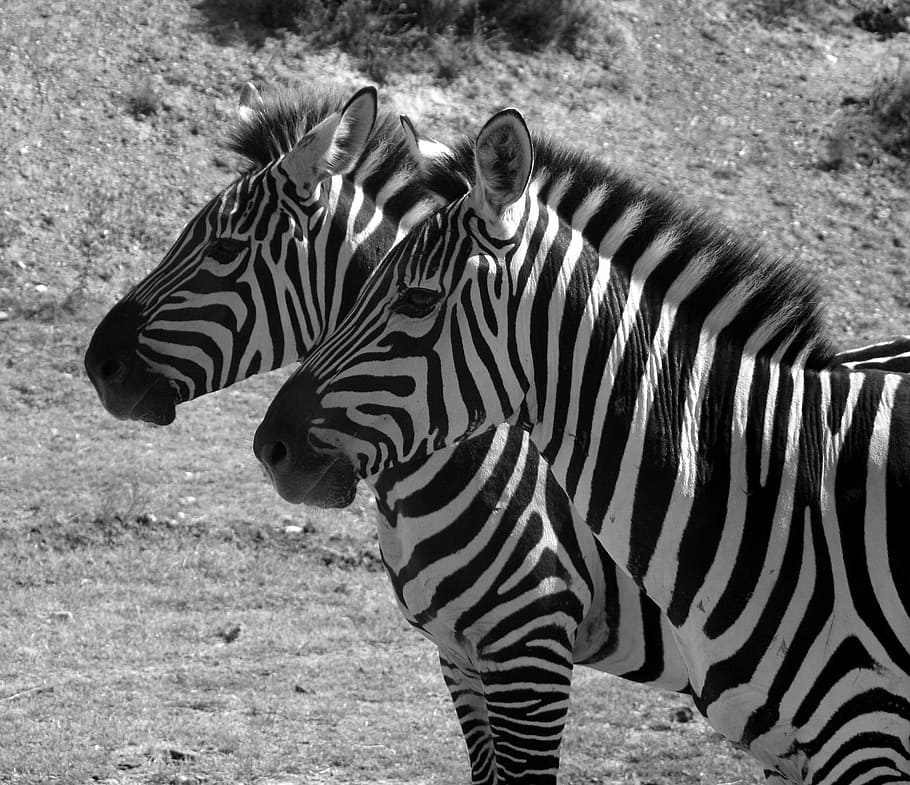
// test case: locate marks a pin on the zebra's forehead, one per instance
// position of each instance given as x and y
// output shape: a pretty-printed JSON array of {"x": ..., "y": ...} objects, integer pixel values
[
  {"x": 220, "y": 209},
  {"x": 238, "y": 208},
  {"x": 430, "y": 252},
  {"x": 218, "y": 218},
  {"x": 240, "y": 197}
]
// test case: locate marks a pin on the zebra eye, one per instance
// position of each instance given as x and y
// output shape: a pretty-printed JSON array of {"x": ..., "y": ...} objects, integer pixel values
[
  {"x": 225, "y": 249},
  {"x": 416, "y": 302}
]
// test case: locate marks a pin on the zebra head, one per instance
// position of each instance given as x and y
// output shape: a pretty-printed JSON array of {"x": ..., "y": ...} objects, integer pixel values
[
  {"x": 242, "y": 290},
  {"x": 436, "y": 346}
]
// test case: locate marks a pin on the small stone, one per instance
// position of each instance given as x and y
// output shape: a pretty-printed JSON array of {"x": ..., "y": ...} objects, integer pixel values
[
  {"x": 230, "y": 632},
  {"x": 682, "y": 714},
  {"x": 130, "y": 757},
  {"x": 40, "y": 288},
  {"x": 293, "y": 529},
  {"x": 182, "y": 755},
  {"x": 3, "y": 316}
]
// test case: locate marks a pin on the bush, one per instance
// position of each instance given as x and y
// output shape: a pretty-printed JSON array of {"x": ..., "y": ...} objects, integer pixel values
[
  {"x": 890, "y": 97},
  {"x": 434, "y": 35},
  {"x": 889, "y": 102},
  {"x": 532, "y": 24}
]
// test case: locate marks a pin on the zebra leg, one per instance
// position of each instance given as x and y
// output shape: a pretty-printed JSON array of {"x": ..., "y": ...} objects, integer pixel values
[
  {"x": 466, "y": 690},
  {"x": 527, "y": 699}
]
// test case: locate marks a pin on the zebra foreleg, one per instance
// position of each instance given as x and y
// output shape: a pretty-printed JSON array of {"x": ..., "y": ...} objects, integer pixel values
[
  {"x": 466, "y": 690},
  {"x": 512, "y": 712},
  {"x": 527, "y": 700}
]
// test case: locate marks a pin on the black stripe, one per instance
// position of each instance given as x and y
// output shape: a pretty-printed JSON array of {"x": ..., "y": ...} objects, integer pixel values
[
  {"x": 762, "y": 499},
  {"x": 850, "y": 493},
  {"x": 897, "y": 488}
]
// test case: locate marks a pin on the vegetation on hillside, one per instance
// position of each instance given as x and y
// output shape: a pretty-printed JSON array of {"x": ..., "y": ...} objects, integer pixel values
[{"x": 440, "y": 37}]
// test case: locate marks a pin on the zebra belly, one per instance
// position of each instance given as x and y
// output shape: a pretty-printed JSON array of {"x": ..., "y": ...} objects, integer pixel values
[{"x": 797, "y": 715}]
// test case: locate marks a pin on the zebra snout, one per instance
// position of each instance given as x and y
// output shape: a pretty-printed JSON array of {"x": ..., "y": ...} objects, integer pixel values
[
  {"x": 110, "y": 360},
  {"x": 107, "y": 371},
  {"x": 126, "y": 385},
  {"x": 273, "y": 455},
  {"x": 277, "y": 440},
  {"x": 300, "y": 473}
]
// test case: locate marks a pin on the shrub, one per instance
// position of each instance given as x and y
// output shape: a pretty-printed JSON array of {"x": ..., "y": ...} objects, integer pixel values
[
  {"x": 889, "y": 103},
  {"x": 143, "y": 100},
  {"x": 890, "y": 96},
  {"x": 435, "y": 35}
]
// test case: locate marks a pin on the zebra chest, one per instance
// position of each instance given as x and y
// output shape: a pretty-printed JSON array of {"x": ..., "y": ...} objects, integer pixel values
[{"x": 432, "y": 584}]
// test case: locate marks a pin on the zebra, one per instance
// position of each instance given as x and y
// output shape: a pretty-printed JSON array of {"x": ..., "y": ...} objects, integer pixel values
[
  {"x": 679, "y": 383},
  {"x": 484, "y": 553}
]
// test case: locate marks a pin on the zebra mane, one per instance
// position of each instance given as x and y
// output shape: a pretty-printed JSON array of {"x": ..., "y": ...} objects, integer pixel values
[
  {"x": 567, "y": 179},
  {"x": 289, "y": 113}
]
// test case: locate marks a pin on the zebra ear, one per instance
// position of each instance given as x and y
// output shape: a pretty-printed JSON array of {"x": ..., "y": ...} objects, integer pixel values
[
  {"x": 335, "y": 145},
  {"x": 250, "y": 102},
  {"x": 423, "y": 150},
  {"x": 503, "y": 160}
]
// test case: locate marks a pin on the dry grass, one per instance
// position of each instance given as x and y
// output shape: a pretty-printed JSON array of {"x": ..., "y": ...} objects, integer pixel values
[{"x": 118, "y": 661}]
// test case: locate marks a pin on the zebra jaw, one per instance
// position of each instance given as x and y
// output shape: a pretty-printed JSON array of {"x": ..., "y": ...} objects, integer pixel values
[
  {"x": 303, "y": 475},
  {"x": 149, "y": 398},
  {"x": 334, "y": 486},
  {"x": 158, "y": 406}
]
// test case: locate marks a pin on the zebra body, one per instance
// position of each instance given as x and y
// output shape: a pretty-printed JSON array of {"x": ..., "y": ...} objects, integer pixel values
[
  {"x": 680, "y": 386},
  {"x": 484, "y": 553}
]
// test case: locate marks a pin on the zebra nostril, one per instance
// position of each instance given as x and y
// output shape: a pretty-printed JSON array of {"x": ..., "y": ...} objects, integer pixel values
[
  {"x": 276, "y": 453},
  {"x": 111, "y": 369}
]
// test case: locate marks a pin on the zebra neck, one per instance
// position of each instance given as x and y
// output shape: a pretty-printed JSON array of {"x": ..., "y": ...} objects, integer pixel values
[
  {"x": 644, "y": 345},
  {"x": 715, "y": 459},
  {"x": 653, "y": 433}
]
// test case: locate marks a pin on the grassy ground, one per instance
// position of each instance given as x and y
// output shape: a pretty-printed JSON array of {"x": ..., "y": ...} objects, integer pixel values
[{"x": 129, "y": 555}]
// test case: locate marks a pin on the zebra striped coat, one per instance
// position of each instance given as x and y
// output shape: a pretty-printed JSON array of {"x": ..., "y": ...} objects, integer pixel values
[
  {"x": 680, "y": 386},
  {"x": 485, "y": 555}
]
